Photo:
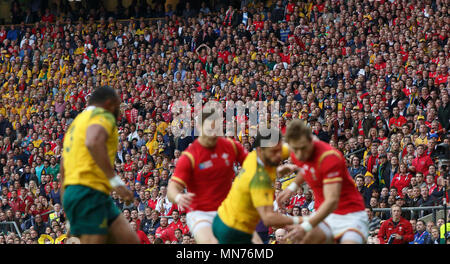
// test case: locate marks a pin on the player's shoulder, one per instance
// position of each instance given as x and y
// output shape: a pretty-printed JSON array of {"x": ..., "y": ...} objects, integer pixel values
[{"x": 326, "y": 151}]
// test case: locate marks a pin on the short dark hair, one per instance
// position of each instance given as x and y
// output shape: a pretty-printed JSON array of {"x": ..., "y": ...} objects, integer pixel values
[{"x": 102, "y": 94}]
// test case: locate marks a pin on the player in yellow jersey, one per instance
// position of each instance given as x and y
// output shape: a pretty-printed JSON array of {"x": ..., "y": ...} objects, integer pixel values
[
  {"x": 251, "y": 196},
  {"x": 87, "y": 172}
]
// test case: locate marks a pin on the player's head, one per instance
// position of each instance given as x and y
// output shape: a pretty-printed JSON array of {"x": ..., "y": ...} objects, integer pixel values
[
  {"x": 269, "y": 147},
  {"x": 299, "y": 137},
  {"x": 107, "y": 98},
  {"x": 209, "y": 128}
]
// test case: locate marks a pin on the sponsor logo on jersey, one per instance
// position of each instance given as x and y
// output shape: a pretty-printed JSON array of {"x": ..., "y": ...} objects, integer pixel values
[{"x": 205, "y": 165}]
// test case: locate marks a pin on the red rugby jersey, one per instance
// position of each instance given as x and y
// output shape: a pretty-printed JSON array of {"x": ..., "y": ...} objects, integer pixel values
[
  {"x": 327, "y": 165},
  {"x": 208, "y": 173}
]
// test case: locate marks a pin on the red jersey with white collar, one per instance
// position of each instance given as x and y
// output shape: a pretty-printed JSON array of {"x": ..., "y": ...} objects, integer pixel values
[
  {"x": 327, "y": 165},
  {"x": 208, "y": 173}
]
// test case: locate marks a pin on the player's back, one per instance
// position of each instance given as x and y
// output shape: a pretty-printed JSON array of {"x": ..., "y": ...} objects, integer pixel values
[
  {"x": 79, "y": 167},
  {"x": 327, "y": 165},
  {"x": 252, "y": 188}
]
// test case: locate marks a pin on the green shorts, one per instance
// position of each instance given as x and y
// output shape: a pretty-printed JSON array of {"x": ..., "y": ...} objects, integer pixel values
[
  {"x": 90, "y": 212},
  {"x": 228, "y": 235}
]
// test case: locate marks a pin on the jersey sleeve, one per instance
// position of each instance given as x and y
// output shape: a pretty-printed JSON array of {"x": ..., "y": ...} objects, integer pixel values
[
  {"x": 331, "y": 168},
  {"x": 239, "y": 150},
  {"x": 104, "y": 119},
  {"x": 183, "y": 169},
  {"x": 261, "y": 190}
]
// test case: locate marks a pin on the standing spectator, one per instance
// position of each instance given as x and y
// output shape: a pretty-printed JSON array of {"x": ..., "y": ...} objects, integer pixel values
[
  {"x": 396, "y": 230},
  {"x": 422, "y": 161},
  {"x": 402, "y": 179},
  {"x": 356, "y": 167}
]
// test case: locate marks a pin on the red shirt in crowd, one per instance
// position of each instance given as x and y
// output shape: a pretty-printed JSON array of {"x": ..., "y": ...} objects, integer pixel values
[
  {"x": 327, "y": 165},
  {"x": 208, "y": 173},
  {"x": 165, "y": 233},
  {"x": 403, "y": 228},
  {"x": 399, "y": 121},
  {"x": 176, "y": 225},
  {"x": 142, "y": 237},
  {"x": 422, "y": 163},
  {"x": 401, "y": 181}
]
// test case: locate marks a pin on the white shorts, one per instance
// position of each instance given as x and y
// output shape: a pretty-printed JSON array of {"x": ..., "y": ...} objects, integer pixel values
[
  {"x": 357, "y": 222},
  {"x": 198, "y": 219}
]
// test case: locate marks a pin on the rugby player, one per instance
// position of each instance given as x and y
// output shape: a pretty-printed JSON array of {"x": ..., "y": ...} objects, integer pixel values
[
  {"x": 252, "y": 194},
  {"x": 206, "y": 170},
  {"x": 88, "y": 176},
  {"x": 339, "y": 207}
]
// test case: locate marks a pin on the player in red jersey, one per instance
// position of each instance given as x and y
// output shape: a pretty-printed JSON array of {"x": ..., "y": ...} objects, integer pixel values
[
  {"x": 339, "y": 207},
  {"x": 206, "y": 170}
]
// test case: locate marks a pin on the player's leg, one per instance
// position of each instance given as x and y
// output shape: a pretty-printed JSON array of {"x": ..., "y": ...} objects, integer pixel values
[
  {"x": 227, "y": 235},
  {"x": 121, "y": 232},
  {"x": 321, "y": 234},
  {"x": 199, "y": 224},
  {"x": 203, "y": 233},
  {"x": 93, "y": 239},
  {"x": 119, "y": 229},
  {"x": 353, "y": 227},
  {"x": 352, "y": 237},
  {"x": 86, "y": 213}
]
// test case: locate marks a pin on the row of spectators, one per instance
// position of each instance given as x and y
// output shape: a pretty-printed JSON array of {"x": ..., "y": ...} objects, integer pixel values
[{"x": 369, "y": 77}]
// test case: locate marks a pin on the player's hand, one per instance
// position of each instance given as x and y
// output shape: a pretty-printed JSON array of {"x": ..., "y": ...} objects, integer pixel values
[
  {"x": 284, "y": 196},
  {"x": 125, "y": 193},
  {"x": 285, "y": 169},
  {"x": 295, "y": 235},
  {"x": 185, "y": 200},
  {"x": 397, "y": 236}
]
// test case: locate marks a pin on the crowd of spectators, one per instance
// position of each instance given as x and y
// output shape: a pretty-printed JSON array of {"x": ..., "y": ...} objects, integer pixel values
[{"x": 369, "y": 77}]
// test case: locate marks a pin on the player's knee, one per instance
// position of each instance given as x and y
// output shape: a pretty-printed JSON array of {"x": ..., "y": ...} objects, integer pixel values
[{"x": 351, "y": 237}]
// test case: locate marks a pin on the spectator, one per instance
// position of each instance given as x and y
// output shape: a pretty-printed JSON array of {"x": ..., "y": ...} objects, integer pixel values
[
  {"x": 356, "y": 167},
  {"x": 164, "y": 232},
  {"x": 421, "y": 235},
  {"x": 142, "y": 236},
  {"x": 374, "y": 221},
  {"x": 434, "y": 237},
  {"x": 396, "y": 230}
]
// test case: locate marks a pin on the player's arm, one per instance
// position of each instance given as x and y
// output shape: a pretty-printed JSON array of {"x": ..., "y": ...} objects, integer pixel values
[
  {"x": 96, "y": 136},
  {"x": 261, "y": 193},
  {"x": 331, "y": 194},
  {"x": 292, "y": 188},
  {"x": 271, "y": 218},
  {"x": 177, "y": 183}
]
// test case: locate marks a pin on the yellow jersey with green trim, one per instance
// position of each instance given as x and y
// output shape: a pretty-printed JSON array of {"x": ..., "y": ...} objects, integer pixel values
[
  {"x": 79, "y": 166},
  {"x": 252, "y": 188}
]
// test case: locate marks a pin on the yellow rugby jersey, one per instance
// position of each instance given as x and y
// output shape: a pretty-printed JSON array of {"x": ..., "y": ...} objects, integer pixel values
[
  {"x": 252, "y": 188},
  {"x": 79, "y": 167}
]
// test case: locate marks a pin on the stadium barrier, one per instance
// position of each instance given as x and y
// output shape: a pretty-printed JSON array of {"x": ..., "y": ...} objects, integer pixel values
[
  {"x": 6, "y": 227},
  {"x": 434, "y": 210}
]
